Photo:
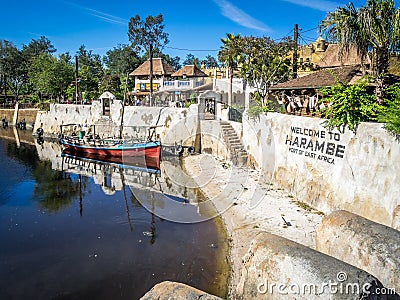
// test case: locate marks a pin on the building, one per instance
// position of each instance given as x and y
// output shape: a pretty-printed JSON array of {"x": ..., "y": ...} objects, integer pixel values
[
  {"x": 321, "y": 54},
  {"x": 162, "y": 71},
  {"x": 184, "y": 86},
  {"x": 301, "y": 94}
]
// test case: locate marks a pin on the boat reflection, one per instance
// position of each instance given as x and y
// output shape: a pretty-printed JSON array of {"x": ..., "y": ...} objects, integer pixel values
[
  {"x": 161, "y": 187},
  {"x": 142, "y": 164}
]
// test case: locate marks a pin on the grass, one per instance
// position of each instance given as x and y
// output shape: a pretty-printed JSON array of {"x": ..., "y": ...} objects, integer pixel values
[{"x": 308, "y": 208}]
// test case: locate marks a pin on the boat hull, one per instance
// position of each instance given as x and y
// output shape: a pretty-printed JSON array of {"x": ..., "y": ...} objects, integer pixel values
[{"x": 148, "y": 149}]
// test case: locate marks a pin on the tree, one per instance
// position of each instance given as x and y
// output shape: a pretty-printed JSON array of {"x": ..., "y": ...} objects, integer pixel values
[
  {"x": 376, "y": 27},
  {"x": 112, "y": 83},
  {"x": 172, "y": 61},
  {"x": 210, "y": 62},
  {"x": 265, "y": 63},
  {"x": 121, "y": 60},
  {"x": 192, "y": 60},
  {"x": 51, "y": 76},
  {"x": 148, "y": 34},
  {"x": 90, "y": 73},
  {"x": 229, "y": 55},
  {"x": 36, "y": 47},
  {"x": 13, "y": 66}
]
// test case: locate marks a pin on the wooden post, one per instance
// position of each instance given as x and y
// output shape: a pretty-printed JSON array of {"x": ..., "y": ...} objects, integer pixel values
[
  {"x": 151, "y": 74},
  {"x": 295, "y": 38},
  {"x": 15, "y": 118},
  {"x": 76, "y": 80}
]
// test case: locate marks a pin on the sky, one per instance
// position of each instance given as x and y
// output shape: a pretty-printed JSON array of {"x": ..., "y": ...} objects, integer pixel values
[{"x": 194, "y": 27}]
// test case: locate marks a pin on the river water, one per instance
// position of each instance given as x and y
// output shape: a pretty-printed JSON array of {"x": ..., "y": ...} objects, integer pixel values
[{"x": 79, "y": 232}]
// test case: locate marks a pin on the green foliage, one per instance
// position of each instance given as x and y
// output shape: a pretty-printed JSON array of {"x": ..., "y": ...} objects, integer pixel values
[
  {"x": 192, "y": 60},
  {"x": 49, "y": 75},
  {"x": 261, "y": 61},
  {"x": 391, "y": 111},
  {"x": 210, "y": 62},
  {"x": 14, "y": 66},
  {"x": 375, "y": 26},
  {"x": 349, "y": 105},
  {"x": 265, "y": 63},
  {"x": 147, "y": 33},
  {"x": 257, "y": 108},
  {"x": 90, "y": 73},
  {"x": 112, "y": 83},
  {"x": 121, "y": 60}
]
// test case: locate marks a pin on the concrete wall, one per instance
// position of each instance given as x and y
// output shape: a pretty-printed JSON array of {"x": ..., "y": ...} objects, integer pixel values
[
  {"x": 28, "y": 114},
  {"x": 329, "y": 170},
  {"x": 176, "y": 125},
  {"x": 61, "y": 114},
  {"x": 212, "y": 141}
]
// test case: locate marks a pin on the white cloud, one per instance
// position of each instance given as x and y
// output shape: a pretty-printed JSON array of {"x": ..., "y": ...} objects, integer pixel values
[
  {"x": 240, "y": 17},
  {"x": 100, "y": 15},
  {"x": 107, "y": 17},
  {"x": 322, "y": 5}
]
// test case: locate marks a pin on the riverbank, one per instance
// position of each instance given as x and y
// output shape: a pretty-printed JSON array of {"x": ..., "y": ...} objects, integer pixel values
[{"x": 249, "y": 205}]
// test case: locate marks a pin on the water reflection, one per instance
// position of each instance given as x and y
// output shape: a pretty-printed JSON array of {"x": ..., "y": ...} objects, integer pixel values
[
  {"x": 163, "y": 188},
  {"x": 70, "y": 231}
]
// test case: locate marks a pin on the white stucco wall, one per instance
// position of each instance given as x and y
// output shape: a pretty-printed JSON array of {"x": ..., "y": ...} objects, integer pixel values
[
  {"x": 329, "y": 170},
  {"x": 176, "y": 125},
  {"x": 60, "y": 114}
]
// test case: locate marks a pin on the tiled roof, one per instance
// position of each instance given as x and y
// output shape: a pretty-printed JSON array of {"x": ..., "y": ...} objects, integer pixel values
[
  {"x": 331, "y": 57},
  {"x": 160, "y": 68},
  {"x": 322, "y": 78},
  {"x": 190, "y": 71}
]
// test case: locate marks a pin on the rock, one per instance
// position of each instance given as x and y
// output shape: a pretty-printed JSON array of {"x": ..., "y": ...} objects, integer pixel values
[
  {"x": 365, "y": 244},
  {"x": 278, "y": 268},
  {"x": 170, "y": 290}
]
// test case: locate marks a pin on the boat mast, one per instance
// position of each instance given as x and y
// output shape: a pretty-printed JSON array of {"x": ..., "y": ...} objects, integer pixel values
[{"x": 121, "y": 128}]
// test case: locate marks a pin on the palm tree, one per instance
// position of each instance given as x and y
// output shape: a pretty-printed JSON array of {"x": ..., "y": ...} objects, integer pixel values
[
  {"x": 229, "y": 55},
  {"x": 373, "y": 29}
]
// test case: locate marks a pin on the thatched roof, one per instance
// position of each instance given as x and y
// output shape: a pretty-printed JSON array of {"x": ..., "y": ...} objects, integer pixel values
[
  {"x": 322, "y": 78},
  {"x": 332, "y": 58},
  {"x": 189, "y": 71},
  {"x": 160, "y": 68}
]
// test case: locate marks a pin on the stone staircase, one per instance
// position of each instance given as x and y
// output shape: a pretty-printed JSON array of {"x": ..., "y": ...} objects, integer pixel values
[{"x": 238, "y": 154}]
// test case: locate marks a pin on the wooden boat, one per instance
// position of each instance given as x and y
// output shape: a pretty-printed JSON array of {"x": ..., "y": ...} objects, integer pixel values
[
  {"x": 113, "y": 148},
  {"x": 110, "y": 147}
]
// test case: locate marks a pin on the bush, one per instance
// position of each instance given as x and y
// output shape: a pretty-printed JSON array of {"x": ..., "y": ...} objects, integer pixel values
[
  {"x": 349, "y": 105},
  {"x": 391, "y": 111}
]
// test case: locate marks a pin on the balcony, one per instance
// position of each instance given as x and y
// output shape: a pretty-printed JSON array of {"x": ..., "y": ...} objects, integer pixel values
[{"x": 182, "y": 85}]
